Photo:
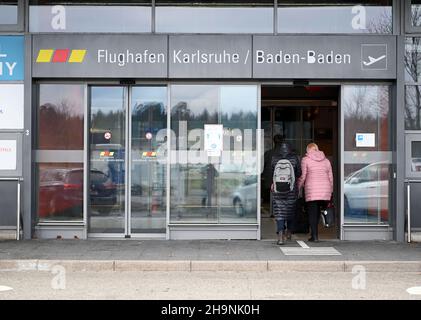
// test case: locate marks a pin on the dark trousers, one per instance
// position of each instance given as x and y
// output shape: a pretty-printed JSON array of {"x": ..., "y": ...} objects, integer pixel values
[
  {"x": 313, "y": 209},
  {"x": 280, "y": 225}
]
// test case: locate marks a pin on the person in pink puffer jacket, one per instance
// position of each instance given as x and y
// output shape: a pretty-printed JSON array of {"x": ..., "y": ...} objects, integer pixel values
[{"x": 317, "y": 179}]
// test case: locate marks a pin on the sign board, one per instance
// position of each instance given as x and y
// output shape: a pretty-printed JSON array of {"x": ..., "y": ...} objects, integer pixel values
[
  {"x": 93, "y": 56},
  {"x": 365, "y": 140},
  {"x": 8, "y": 154},
  {"x": 214, "y": 56},
  {"x": 214, "y": 136},
  {"x": 210, "y": 56},
  {"x": 11, "y": 106},
  {"x": 327, "y": 57},
  {"x": 11, "y": 58}
]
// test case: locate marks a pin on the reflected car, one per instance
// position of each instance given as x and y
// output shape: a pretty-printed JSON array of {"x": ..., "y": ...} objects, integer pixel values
[
  {"x": 245, "y": 197},
  {"x": 416, "y": 165},
  {"x": 102, "y": 191},
  {"x": 367, "y": 190},
  {"x": 61, "y": 192}
]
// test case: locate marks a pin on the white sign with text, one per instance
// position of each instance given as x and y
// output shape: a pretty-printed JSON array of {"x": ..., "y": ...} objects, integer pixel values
[
  {"x": 8, "y": 151},
  {"x": 11, "y": 106},
  {"x": 214, "y": 134},
  {"x": 365, "y": 140}
]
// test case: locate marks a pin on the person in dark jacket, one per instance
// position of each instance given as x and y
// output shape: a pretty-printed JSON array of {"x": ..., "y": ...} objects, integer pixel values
[
  {"x": 284, "y": 203},
  {"x": 267, "y": 168}
]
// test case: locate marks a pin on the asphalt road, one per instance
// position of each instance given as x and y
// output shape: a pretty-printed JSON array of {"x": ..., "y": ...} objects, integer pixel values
[{"x": 59, "y": 284}]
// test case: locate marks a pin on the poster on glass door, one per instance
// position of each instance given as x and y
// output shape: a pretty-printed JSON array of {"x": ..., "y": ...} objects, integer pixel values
[{"x": 214, "y": 139}]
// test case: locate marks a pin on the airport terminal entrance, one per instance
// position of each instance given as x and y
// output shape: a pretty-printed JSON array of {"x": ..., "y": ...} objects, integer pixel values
[
  {"x": 127, "y": 170},
  {"x": 300, "y": 115}
]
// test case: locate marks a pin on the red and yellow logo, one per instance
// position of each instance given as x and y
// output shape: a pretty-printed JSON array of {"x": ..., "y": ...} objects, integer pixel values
[
  {"x": 61, "y": 55},
  {"x": 149, "y": 154},
  {"x": 106, "y": 154}
]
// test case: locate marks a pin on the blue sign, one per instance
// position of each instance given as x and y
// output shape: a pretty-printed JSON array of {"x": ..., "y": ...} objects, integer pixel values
[
  {"x": 11, "y": 58},
  {"x": 360, "y": 137}
]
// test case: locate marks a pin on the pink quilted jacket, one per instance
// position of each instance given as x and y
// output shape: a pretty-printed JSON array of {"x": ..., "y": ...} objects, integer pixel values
[{"x": 316, "y": 177}]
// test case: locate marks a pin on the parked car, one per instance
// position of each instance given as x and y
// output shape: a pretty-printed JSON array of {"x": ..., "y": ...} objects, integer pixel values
[
  {"x": 61, "y": 192},
  {"x": 245, "y": 196},
  {"x": 367, "y": 190}
]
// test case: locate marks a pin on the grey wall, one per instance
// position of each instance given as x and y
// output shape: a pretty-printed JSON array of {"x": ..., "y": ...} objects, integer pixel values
[{"x": 8, "y": 203}]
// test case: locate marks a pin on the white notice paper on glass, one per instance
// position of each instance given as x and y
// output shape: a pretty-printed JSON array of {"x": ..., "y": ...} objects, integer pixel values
[
  {"x": 214, "y": 134},
  {"x": 7, "y": 154},
  {"x": 11, "y": 106},
  {"x": 367, "y": 140}
]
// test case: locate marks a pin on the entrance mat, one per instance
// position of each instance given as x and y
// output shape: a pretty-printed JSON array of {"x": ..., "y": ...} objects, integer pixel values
[{"x": 315, "y": 251}]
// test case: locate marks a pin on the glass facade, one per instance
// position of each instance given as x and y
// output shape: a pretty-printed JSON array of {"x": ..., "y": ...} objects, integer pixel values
[
  {"x": 412, "y": 79},
  {"x": 209, "y": 175},
  {"x": 415, "y": 14},
  {"x": 416, "y": 156},
  {"x": 214, "y": 17},
  {"x": 8, "y": 12},
  {"x": 209, "y": 186},
  {"x": 335, "y": 17},
  {"x": 59, "y": 156},
  {"x": 367, "y": 156},
  {"x": 91, "y": 16},
  {"x": 238, "y": 17}
]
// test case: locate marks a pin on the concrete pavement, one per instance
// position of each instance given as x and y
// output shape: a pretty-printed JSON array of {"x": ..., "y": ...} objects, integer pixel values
[
  {"x": 208, "y": 285},
  {"x": 209, "y": 255}
]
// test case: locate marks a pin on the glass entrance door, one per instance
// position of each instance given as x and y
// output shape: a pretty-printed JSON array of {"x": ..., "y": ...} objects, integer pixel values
[
  {"x": 148, "y": 178},
  {"x": 107, "y": 142},
  {"x": 127, "y": 177}
]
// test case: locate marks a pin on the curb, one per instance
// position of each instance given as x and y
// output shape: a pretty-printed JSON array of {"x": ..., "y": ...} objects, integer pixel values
[{"x": 203, "y": 265}]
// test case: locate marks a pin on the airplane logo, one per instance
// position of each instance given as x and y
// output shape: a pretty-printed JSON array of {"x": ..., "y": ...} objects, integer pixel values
[{"x": 373, "y": 60}]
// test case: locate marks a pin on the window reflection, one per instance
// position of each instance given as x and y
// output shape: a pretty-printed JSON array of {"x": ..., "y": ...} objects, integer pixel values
[
  {"x": 214, "y": 17},
  {"x": 59, "y": 172},
  {"x": 60, "y": 191},
  {"x": 214, "y": 189},
  {"x": 335, "y": 17},
  {"x": 60, "y": 117},
  {"x": 112, "y": 16},
  {"x": 416, "y": 13},
  {"x": 8, "y": 12},
  {"x": 148, "y": 156},
  {"x": 413, "y": 108},
  {"x": 107, "y": 160},
  {"x": 416, "y": 156},
  {"x": 367, "y": 169}
]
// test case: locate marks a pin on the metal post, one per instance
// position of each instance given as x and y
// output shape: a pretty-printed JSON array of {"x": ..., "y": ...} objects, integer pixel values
[
  {"x": 408, "y": 210},
  {"x": 18, "y": 213}
]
